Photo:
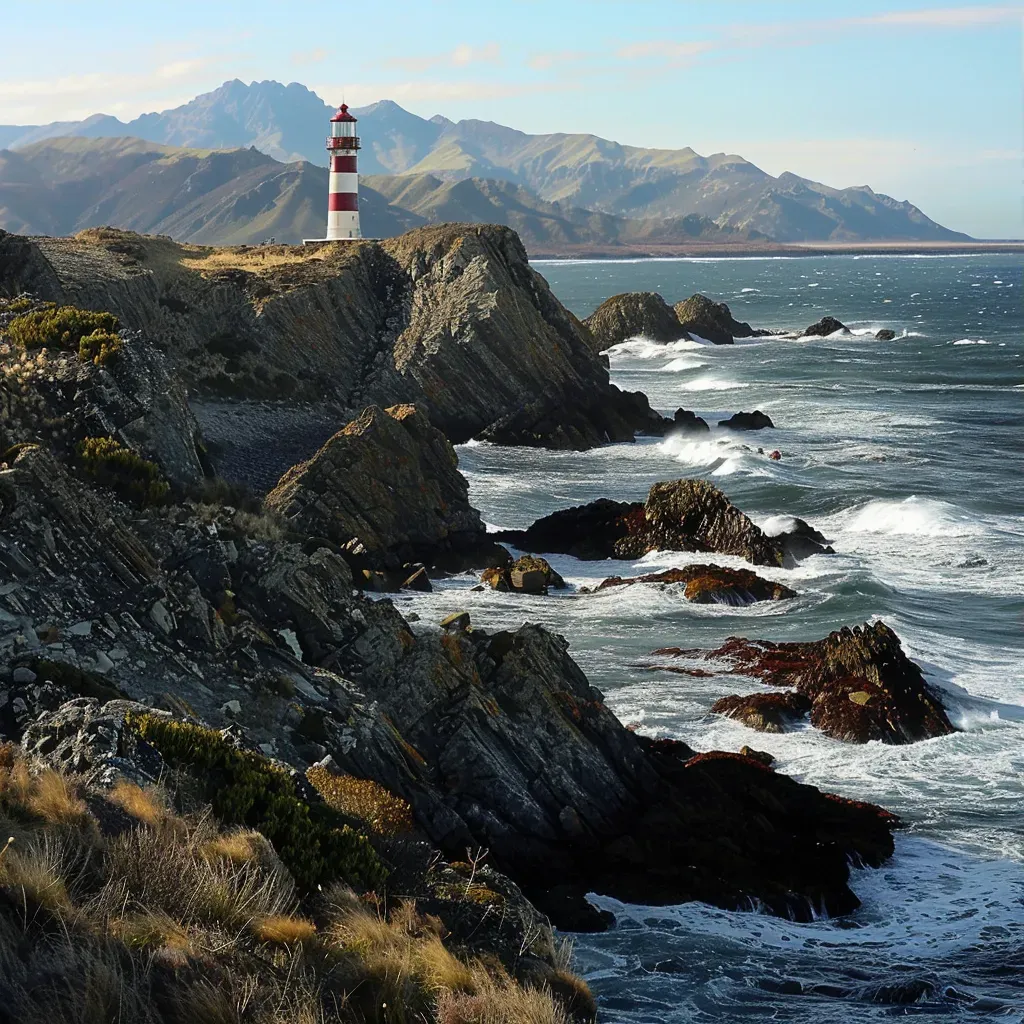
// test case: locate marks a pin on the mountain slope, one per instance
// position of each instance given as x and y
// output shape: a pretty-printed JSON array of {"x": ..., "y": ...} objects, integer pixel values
[
  {"x": 61, "y": 186},
  {"x": 289, "y": 123}
]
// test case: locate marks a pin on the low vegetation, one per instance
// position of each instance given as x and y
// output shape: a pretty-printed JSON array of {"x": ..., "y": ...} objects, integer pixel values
[
  {"x": 385, "y": 813},
  {"x": 91, "y": 335},
  {"x": 112, "y": 465},
  {"x": 116, "y": 906}
]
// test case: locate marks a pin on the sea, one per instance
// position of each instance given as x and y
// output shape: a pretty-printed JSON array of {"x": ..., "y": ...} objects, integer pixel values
[{"x": 909, "y": 456}]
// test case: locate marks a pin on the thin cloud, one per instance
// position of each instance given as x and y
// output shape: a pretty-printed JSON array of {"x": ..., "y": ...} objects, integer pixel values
[
  {"x": 546, "y": 60},
  {"x": 945, "y": 17},
  {"x": 462, "y": 56},
  {"x": 300, "y": 58}
]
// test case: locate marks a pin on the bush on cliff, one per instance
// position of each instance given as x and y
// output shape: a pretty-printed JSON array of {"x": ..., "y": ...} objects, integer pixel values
[
  {"x": 112, "y": 465},
  {"x": 245, "y": 789},
  {"x": 89, "y": 334},
  {"x": 116, "y": 907}
]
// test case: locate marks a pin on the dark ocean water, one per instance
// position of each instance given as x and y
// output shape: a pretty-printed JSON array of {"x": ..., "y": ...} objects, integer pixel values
[{"x": 909, "y": 455}]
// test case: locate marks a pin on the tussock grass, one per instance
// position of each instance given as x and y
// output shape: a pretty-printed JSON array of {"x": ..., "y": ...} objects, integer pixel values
[{"x": 177, "y": 920}]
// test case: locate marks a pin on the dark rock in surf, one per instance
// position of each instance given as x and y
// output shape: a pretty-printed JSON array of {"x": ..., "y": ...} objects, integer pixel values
[
  {"x": 765, "y": 712},
  {"x": 712, "y": 321},
  {"x": 755, "y": 420},
  {"x": 632, "y": 315},
  {"x": 800, "y": 540},
  {"x": 859, "y": 684},
  {"x": 885, "y": 334},
  {"x": 686, "y": 422},
  {"x": 824, "y": 327},
  {"x": 526, "y": 575},
  {"x": 711, "y": 584},
  {"x": 682, "y": 515}
]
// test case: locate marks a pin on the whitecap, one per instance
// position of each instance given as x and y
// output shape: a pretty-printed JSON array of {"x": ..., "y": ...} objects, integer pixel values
[
  {"x": 645, "y": 348},
  {"x": 708, "y": 383},
  {"x": 682, "y": 364},
  {"x": 926, "y": 517}
]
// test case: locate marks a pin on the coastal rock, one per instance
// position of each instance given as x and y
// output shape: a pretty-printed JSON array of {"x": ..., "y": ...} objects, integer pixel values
[
  {"x": 800, "y": 540},
  {"x": 527, "y": 574},
  {"x": 496, "y": 739},
  {"x": 824, "y": 327},
  {"x": 859, "y": 684},
  {"x": 686, "y": 422},
  {"x": 632, "y": 315},
  {"x": 712, "y": 320},
  {"x": 681, "y": 515},
  {"x": 451, "y": 318},
  {"x": 712, "y": 584},
  {"x": 388, "y": 486},
  {"x": 58, "y": 399},
  {"x": 755, "y": 420},
  {"x": 885, "y": 334},
  {"x": 766, "y": 712}
]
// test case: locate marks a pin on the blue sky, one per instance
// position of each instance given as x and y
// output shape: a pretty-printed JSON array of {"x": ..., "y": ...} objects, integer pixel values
[{"x": 920, "y": 101}]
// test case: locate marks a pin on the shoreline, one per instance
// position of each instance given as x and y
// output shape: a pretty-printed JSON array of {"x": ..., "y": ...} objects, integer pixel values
[{"x": 739, "y": 250}]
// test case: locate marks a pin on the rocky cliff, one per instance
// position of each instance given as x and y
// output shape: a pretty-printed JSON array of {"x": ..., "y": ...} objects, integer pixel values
[{"x": 451, "y": 318}]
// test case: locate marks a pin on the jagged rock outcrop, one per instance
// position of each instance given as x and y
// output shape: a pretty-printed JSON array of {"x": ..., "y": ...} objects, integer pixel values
[
  {"x": 686, "y": 422},
  {"x": 681, "y": 515},
  {"x": 824, "y": 327},
  {"x": 386, "y": 486},
  {"x": 58, "y": 399},
  {"x": 496, "y": 739},
  {"x": 451, "y": 318},
  {"x": 711, "y": 584},
  {"x": 857, "y": 684},
  {"x": 885, "y": 334},
  {"x": 527, "y": 575},
  {"x": 766, "y": 712},
  {"x": 755, "y": 420},
  {"x": 712, "y": 320},
  {"x": 632, "y": 315}
]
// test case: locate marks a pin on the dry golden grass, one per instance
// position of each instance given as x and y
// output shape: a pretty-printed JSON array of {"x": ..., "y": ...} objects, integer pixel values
[
  {"x": 283, "y": 929},
  {"x": 258, "y": 258},
  {"x": 385, "y": 813},
  {"x": 500, "y": 1004},
  {"x": 240, "y": 847},
  {"x": 146, "y": 805},
  {"x": 151, "y": 929},
  {"x": 34, "y": 876}
]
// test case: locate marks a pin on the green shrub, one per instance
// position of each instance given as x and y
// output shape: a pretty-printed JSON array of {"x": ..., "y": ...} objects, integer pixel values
[
  {"x": 112, "y": 465},
  {"x": 244, "y": 789},
  {"x": 100, "y": 347},
  {"x": 61, "y": 328}
]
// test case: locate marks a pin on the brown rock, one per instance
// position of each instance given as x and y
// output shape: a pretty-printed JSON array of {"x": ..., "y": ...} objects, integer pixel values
[
  {"x": 387, "y": 482},
  {"x": 527, "y": 574},
  {"x": 712, "y": 584},
  {"x": 631, "y": 315},
  {"x": 766, "y": 712},
  {"x": 712, "y": 320},
  {"x": 682, "y": 515},
  {"x": 857, "y": 683}
]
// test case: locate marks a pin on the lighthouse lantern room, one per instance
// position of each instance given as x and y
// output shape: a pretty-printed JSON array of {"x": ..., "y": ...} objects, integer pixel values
[{"x": 343, "y": 187}]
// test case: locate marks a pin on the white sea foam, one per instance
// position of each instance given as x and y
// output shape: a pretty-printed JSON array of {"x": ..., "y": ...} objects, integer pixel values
[
  {"x": 927, "y": 517},
  {"x": 710, "y": 383},
  {"x": 683, "y": 363},
  {"x": 645, "y": 348},
  {"x": 971, "y": 341}
]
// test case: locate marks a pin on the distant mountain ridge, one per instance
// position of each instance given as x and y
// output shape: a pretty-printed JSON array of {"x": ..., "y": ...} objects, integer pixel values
[{"x": 586, "y": 172}]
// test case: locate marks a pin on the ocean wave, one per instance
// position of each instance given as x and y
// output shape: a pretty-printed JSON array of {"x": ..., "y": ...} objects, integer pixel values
[
  {"x": 970, "y": 341},
  {"x": 925, "y": 517},
  {"x": 709, "y": 383},
  {"x": 646, "y": 348},
  {"x": 682, "y": 363}
]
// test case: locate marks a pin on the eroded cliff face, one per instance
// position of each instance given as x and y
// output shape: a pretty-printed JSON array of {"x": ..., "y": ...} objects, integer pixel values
[{"x": 451, "y": 318}]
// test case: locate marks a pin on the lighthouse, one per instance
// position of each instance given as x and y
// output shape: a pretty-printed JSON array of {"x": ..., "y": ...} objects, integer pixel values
[{"x": 343, "y": 186}]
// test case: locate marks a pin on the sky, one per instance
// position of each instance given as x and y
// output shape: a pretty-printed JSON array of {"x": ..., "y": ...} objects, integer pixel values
[{"x": 920, "y": 101}]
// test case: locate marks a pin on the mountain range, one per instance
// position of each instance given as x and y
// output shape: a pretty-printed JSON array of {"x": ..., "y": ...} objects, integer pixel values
[{"x": 566, "y": 189}]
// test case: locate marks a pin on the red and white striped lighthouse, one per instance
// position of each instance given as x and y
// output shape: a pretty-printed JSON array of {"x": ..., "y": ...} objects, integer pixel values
[{"x": 343, "y": 189}]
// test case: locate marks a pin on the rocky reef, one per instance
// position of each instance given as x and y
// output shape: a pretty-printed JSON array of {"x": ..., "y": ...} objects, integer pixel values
[
  {"x": 856, "y": 685},
  {"x": 680, "y": 515},
  {"x": 711, "y": 584},
  {"x": 451, "y": 318}
]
